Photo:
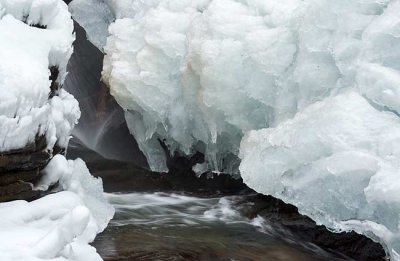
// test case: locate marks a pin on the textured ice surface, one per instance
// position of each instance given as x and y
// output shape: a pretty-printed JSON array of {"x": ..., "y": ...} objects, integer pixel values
[
  {"x": 203, "y": 73},
  {"x": 95, "y": 16},
  {"x": 337, "y": 161},
  {"x": 26, "y": 54},
  {"x": 58, "y": 226}
]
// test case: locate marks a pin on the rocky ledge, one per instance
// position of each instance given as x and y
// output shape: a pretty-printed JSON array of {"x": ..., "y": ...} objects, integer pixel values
[{"x": 20, "y": 169}]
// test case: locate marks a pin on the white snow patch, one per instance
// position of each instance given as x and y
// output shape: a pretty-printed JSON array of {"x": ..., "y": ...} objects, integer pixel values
[
  {"x": 58, "y": 226},
  {"x": 26, "y": 54}
]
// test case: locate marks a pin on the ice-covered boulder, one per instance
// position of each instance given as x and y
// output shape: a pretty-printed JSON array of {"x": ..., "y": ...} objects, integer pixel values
[{"x": 337, "y": 161}]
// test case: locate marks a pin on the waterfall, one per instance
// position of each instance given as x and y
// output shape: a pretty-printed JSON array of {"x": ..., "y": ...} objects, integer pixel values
[{"x": 102, "y": 126}]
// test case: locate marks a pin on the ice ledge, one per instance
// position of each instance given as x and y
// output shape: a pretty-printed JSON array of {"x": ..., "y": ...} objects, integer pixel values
[{"x": 337, "y": 161}]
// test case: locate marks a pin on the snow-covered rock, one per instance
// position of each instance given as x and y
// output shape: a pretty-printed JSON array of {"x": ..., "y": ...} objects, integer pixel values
[
  {"x": 59, "y": 226},
  {"x": 35, "y": 35}
]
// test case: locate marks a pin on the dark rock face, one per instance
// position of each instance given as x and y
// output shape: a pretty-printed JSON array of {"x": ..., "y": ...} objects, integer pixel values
[
  {"x": 19, "y": 169},
  {"x": 32, "y": 156}
]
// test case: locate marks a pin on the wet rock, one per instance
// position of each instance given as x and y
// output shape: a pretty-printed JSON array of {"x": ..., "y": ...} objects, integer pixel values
[
  {"x": 8, "y": 178},
  {"x": 18, "y": 191},
  {"x": 288, "y": 218},
  {"x": 20, "y": 169},
  {"x": 24, "y": 161}
]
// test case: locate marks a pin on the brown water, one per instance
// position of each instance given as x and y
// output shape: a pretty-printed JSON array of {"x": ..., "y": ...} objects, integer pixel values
[{"x": 159, "y": 226}]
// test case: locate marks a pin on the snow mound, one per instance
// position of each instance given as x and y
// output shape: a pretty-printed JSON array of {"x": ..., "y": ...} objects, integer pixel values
[
  {"x": 35, "y": 35},
  {"x": 58, "y": 226},
  {"x": 337, "y": 161}
]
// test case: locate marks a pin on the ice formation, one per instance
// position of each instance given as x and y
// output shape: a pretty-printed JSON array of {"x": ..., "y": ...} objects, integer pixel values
[
  {"x": 59, "y": 226},
  {"x": 95, "y": 16},
  {"x": 202, "y": 74},
  {"x": 35, "y": 35},
  {"x": 337, "y": 161}
]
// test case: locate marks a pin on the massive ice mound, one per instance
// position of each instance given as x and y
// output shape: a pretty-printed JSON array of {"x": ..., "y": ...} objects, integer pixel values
[
  {"x": 200, "y": 74},
  {"x": 35, "y": 36},
  {"x": 337, "y": 161},
  {"x": 59, "y": 226}
]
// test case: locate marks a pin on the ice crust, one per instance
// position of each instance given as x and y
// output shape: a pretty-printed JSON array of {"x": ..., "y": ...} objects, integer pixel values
[
  {"x": 26, "y": 54},
  {"x": 59, "y": 226},
  {"x": 312, "y": 85}
]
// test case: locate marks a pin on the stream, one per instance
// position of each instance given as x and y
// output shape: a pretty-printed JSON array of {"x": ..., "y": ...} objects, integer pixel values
[{"x": 165, "y": 226}]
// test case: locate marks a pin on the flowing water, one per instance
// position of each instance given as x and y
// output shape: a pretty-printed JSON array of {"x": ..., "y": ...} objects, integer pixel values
[{"x": 160, "y": 226}]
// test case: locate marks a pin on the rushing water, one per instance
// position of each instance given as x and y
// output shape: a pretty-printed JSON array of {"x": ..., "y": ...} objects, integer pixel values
[
  {"x": 159, "y": 226},
  {"x": 102, "y": 125}
]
